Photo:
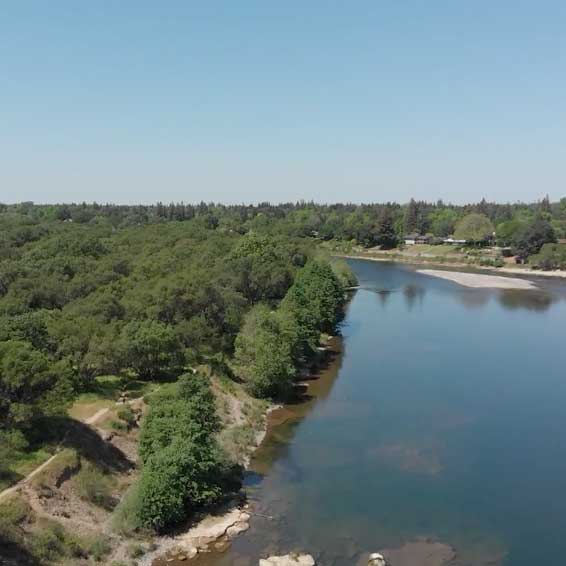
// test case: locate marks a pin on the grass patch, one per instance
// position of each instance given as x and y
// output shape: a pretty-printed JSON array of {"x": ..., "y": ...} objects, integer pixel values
[
  {"x": 95, "y": 486},
  {"x": 14, "y": 511},
  {"x": 125, "y": 519},
  {"x": 99, "y": 548},
  {"x": 22, "y": 463},
  {"x": 88, "y": 405},
  {"x": 64, "y": 465},
  {"x": 238, "y": 441},
  {"x": 119, "y": 426},
  {"x": 105, "y": 391}
]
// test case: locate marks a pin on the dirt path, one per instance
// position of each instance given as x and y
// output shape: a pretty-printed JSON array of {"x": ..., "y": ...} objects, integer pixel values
[
  {"x": 97, "y": 416},
  {"x": 89, "y": 421},
  {"x": 22, "y": 482}
]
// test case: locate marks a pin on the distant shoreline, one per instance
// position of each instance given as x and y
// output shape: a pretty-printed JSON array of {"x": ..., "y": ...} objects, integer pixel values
[{"x": 457, "y": 265}]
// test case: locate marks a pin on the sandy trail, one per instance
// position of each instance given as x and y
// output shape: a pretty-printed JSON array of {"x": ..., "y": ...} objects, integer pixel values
[
  {"x": 32, "y": 474},
  {"x": 90, "y": 421},
  {"x": 479, "y": 280}
]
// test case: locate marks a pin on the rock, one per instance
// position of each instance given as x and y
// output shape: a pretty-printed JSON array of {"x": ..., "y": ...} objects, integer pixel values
[
  {"x": 376, "y": 559},
  {"x": 237, "y": 528},
  {"x": 288, "y": 560},
  {"x": 107, "y": 435},
  {"x": 221, "y": 546}
]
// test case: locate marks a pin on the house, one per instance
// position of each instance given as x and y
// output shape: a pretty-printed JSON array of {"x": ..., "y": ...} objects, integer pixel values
[
  {"x": 451, "y": 240},
  {"x": 414, "y": 239}
]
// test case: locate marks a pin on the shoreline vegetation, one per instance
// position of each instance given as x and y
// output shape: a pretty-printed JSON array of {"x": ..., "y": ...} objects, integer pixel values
[
  {"x": 441, "y": 262},
  {"x": 204, "y": 330}
]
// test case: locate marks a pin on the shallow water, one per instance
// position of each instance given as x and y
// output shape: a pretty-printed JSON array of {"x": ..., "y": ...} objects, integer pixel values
[{"x": 444, "y": 417}]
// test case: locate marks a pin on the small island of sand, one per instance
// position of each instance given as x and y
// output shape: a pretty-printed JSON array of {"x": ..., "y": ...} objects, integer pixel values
[{"x": 479, "y": 280}]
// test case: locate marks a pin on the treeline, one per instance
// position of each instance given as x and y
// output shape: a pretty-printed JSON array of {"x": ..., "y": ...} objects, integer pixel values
[{"x": 365, "y": 224}]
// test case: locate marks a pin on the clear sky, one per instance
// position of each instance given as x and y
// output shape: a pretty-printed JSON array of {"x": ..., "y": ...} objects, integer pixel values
[{"x": 239, "y": 101}]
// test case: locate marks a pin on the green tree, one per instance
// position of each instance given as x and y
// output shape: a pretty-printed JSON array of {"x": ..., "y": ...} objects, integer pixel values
[
  {"x": 507, "y": 231},
  {"x": 189, "y": 412},
  {"x": 31, "y": 384},
  {"x": 151, "y": 348},
  {"x": 264, "y": 354},
  {"x": 411, "y": 217},
  {"x": 531, "y": 237},
  {"x": 386, "y": 235},
  {"x": 474, "y": 227},
  {"x": 442, "y": 222}
]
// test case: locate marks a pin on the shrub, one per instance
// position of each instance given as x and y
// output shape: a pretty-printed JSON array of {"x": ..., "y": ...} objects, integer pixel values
[
  {"x": 127, "y": 516},
  {"x": 126, "y": 413},
  {"x": 120, "y": 426},
  {"x": 180, "y": 478},
  {"x": 344, "y": 273},
  {"x": 48, "y": 543},
  {"x": 99, "y": 548},
  {"x": 551, "y": 256},
  {"x": 13, "y": 513},
  {"x": 94, "y": 486},
  {"x": 59, "y": 470}
]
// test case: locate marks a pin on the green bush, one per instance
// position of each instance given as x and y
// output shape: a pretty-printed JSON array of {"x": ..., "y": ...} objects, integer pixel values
[
  {"x": 551, "y": 256},
  {"x": 49, "y": 543},
  {"x": 183, "y": 465},
  {"x": 119, "y": 426},
  {"x": 14, "y": 511},
  {"x": 127, "y": 516},
  {"x": 187, "y": 411},
  {"x": 126, "y": 413},
  {"x": 344, "y": 273},
  {"x": 177, "y": 480}
]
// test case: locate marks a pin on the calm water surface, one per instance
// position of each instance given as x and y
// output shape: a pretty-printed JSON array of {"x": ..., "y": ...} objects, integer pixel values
[{"x": 445, "y": 417}]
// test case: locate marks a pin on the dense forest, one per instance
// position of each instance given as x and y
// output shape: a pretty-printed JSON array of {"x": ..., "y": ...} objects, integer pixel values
[
  {"x": 523, "y": 226},
  {"x": 157, "y": 293},
  {"x": 154, "y": 302}
]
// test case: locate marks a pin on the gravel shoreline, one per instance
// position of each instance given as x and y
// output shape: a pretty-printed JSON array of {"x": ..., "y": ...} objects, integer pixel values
[{"x": 479, "y": 280}]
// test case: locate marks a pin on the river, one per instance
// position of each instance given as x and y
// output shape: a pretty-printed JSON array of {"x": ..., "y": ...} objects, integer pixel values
[{"x": 444, "y": 417}]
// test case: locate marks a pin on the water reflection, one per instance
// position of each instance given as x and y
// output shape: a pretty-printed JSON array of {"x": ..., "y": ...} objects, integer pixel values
[
  {"x": 474, "y": 299},
  {"x": 383, "y": 295},
  {"x": 413, "y": 293},
  {"x": 529, "y": 300}
]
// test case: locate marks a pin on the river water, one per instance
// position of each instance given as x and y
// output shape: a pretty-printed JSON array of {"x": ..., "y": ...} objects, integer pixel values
[{"x": 444, "y": 416}]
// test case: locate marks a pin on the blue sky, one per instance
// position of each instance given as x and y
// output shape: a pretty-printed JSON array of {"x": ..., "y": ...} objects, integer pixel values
[{"x": 135, "y": 101}]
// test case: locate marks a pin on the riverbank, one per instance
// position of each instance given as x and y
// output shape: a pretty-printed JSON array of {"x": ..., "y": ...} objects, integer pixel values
[
  {"x": 415, "y": 260},
  {"x": 214, "y": 530}
]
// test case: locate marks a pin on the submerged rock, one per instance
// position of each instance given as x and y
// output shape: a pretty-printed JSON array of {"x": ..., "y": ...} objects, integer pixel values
[
  {"x": 376, "y": 559},
  {"x": 237, "y": 528},
  {"x": 288, "y": 560}
]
